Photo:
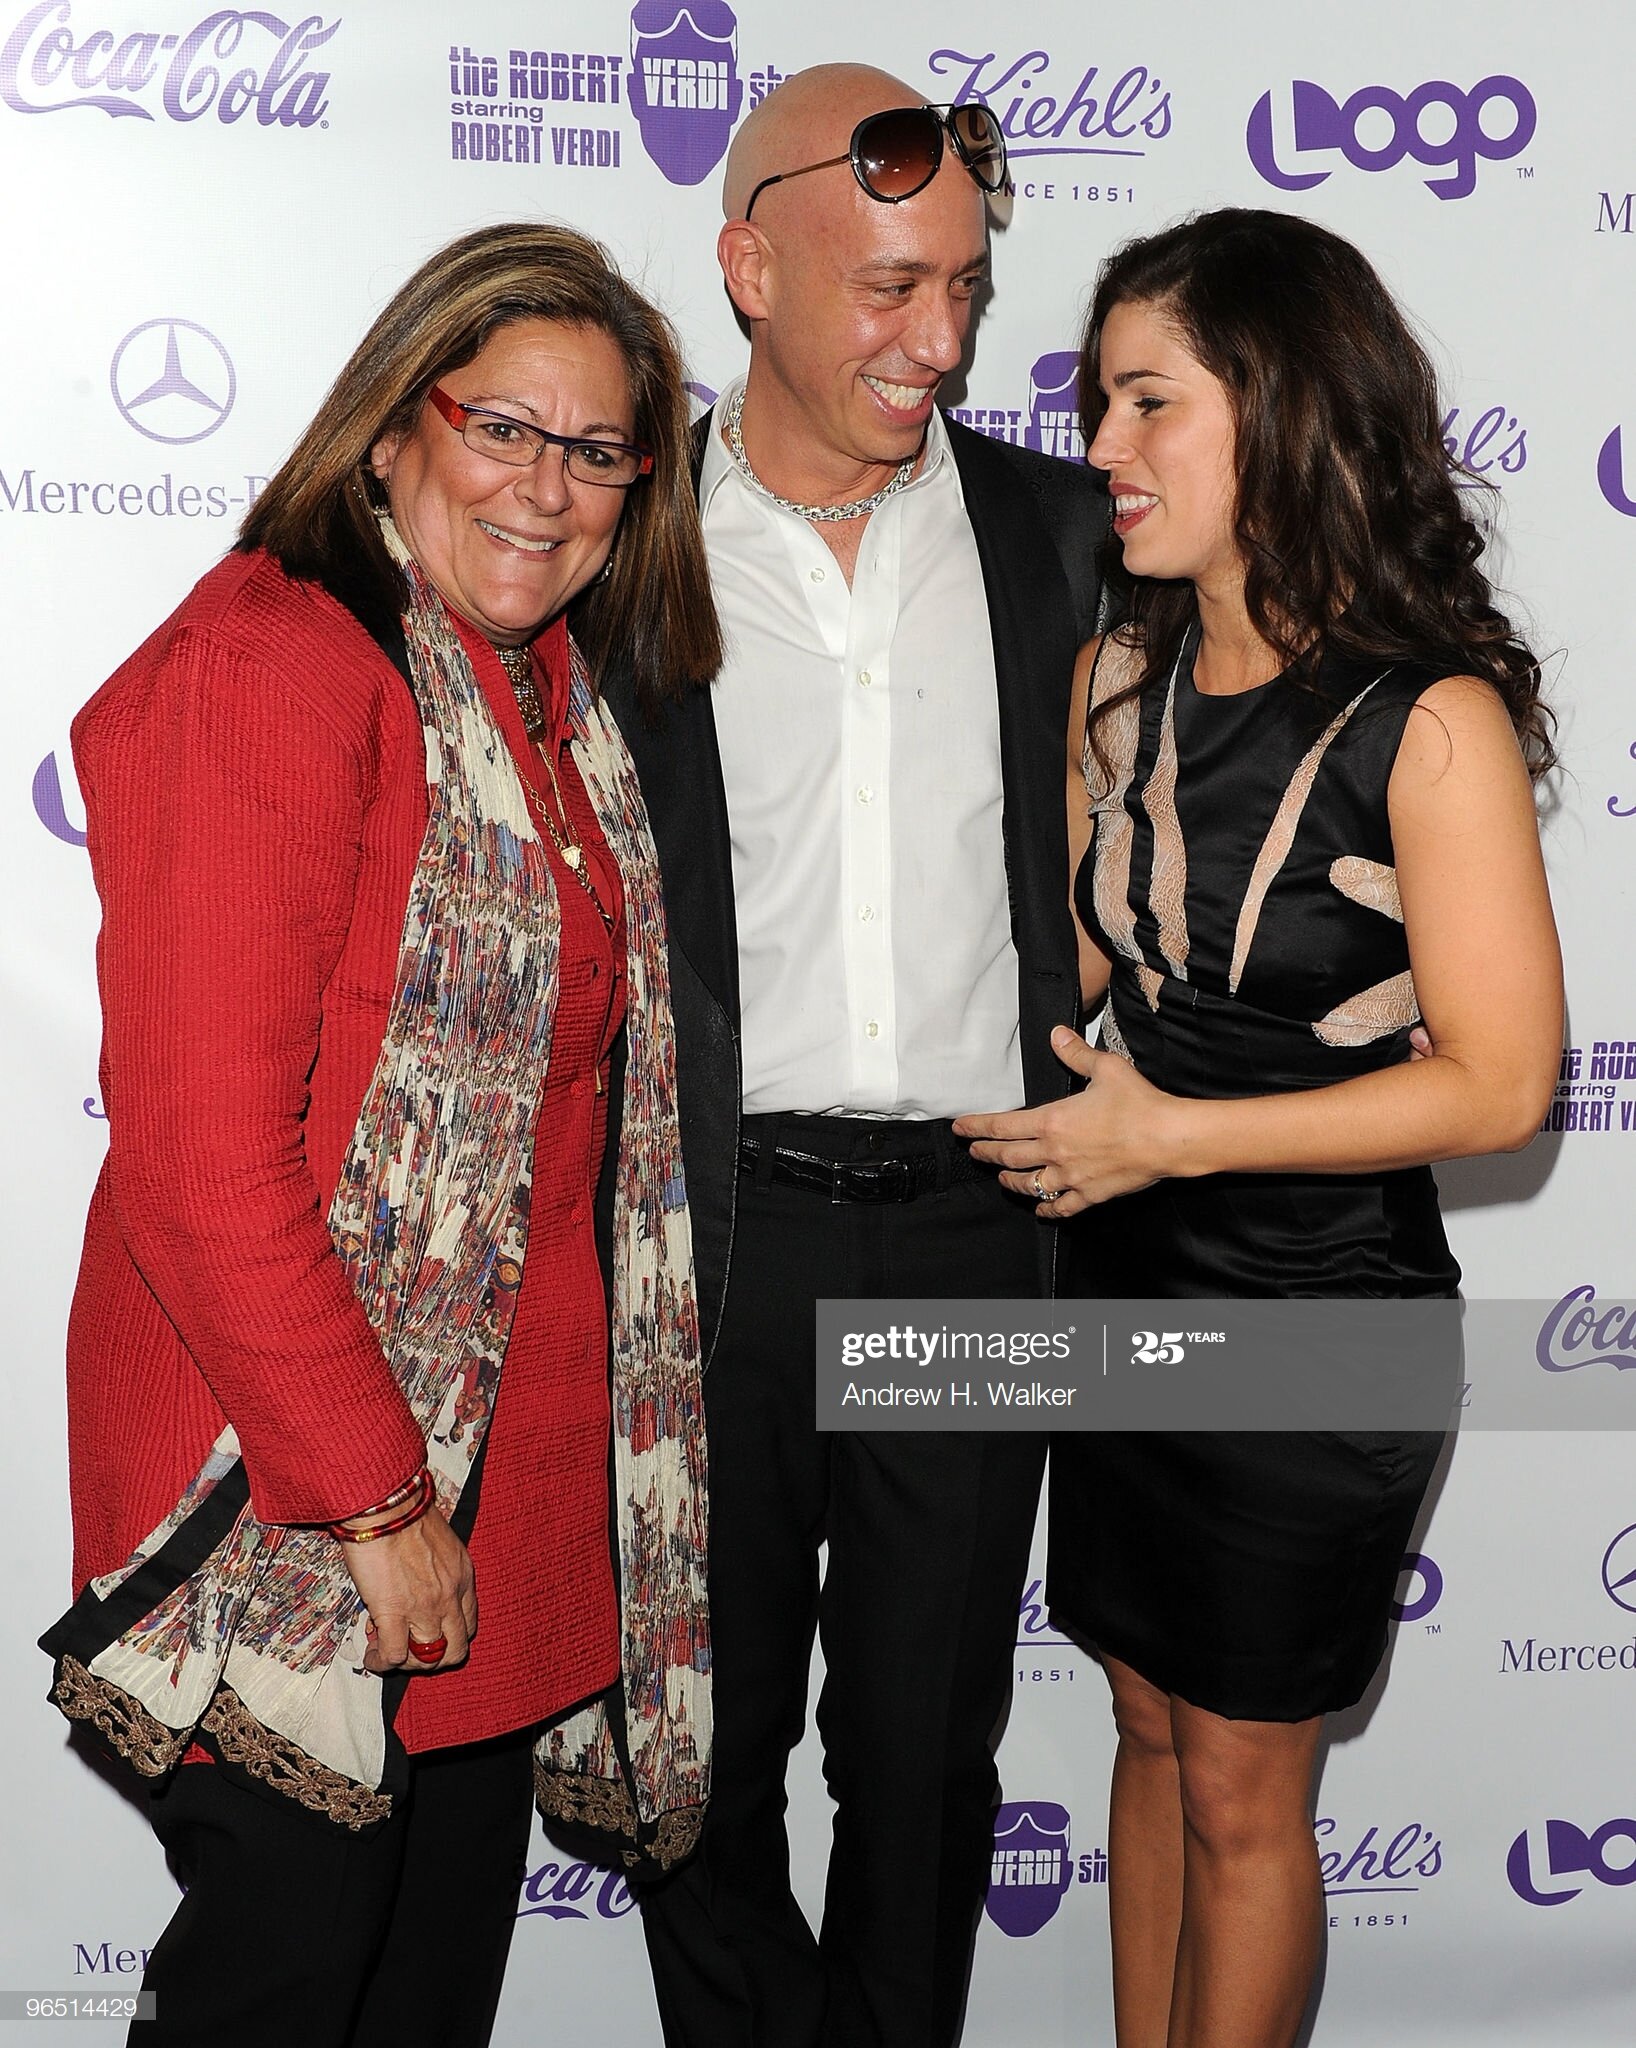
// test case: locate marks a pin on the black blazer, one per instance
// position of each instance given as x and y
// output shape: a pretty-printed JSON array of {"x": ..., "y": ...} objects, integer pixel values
[{"x": 1038, "y": 523}]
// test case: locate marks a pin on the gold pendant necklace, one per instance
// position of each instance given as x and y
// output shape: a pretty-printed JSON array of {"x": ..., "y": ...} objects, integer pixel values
[{"x": 518, "y": 663}]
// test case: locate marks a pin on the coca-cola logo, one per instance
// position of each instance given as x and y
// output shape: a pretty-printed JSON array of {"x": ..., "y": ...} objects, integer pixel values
[
  {"x": 232, "y": 63},
  {"x": 1577, "y": 1333},
  {"x": 1095, "y": 119},
  {"x": 574, "y": 1891}
]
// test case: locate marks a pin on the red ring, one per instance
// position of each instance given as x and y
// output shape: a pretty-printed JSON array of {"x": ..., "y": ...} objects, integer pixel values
[{"x": 428, "y": 1653}]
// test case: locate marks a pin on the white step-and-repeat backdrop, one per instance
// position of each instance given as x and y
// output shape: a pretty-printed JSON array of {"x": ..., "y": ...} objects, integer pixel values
[{"x": 203, "y": 208}]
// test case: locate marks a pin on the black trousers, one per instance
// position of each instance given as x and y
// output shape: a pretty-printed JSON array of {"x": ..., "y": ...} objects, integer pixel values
[
  {"x": 928, "y": 1547},
  {"x": 296, "y": 1932}
]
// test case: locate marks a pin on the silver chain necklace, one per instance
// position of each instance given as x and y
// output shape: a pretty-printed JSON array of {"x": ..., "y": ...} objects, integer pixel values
[{"x": 856, "y": 510}]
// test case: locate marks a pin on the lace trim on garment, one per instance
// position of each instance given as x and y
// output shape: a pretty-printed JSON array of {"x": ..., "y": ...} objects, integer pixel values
[
  {"x": 147, "y": 1745},
  {"x": 152, "y": 1749},
  {"x": 579, "y": 1800}
]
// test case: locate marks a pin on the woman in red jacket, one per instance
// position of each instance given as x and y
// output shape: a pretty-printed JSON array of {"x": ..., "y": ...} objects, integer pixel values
[{"x": 379, "y": 898}]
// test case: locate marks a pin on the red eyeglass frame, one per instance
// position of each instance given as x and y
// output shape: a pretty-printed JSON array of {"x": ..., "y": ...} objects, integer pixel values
[{"x": 457, "y": 415}]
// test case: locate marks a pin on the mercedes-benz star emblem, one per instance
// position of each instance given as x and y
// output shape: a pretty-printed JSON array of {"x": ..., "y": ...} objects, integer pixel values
[
  {"x": 1619, "y": 1569},
  {"x": 172, "y": 380}
]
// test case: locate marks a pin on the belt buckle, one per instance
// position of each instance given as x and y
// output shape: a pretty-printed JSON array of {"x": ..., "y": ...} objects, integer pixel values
[{"x": 871, "y": 1180}]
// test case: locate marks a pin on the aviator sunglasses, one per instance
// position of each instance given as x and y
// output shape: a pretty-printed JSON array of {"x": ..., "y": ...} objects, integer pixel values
[{"x": 894, "y": 155}]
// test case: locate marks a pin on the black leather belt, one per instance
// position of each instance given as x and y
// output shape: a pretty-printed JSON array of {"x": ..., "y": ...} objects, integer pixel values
[{"x": 902, "y": 1179}]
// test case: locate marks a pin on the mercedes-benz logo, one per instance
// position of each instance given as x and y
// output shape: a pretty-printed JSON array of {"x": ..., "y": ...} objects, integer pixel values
[
  {"x": 172, "y": 380},
  {"x": 1619, "y": 1569}
]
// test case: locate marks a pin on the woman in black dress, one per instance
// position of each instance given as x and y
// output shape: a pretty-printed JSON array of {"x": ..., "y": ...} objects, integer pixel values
[{"x": 1300, "y": 797}]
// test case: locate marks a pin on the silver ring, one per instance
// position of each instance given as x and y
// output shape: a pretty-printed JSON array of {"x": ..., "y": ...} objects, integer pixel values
[{"x": 1041, "y": 1192}]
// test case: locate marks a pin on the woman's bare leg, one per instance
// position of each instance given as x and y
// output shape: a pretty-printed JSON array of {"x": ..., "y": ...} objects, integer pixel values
[
  {"x": 1144, "y": 1860},
  {"x": 1252, "y": 1900}
]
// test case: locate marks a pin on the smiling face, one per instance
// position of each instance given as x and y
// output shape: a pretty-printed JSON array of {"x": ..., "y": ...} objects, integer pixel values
[
  {"x": 869, "y": 314},
  {"x": 508, "y": 548},
  {"x": 1167, "y": 441},
  {"x": 858, "y": 309}
]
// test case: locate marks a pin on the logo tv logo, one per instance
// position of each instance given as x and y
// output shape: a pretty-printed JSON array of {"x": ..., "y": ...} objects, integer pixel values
[
  {"x": 1416, "y": 1605},
  {"x": 1570, "y": 1852},
  {"x": 49, "y": 808},
  {"x": 173, "y": 381},
  {"x": 1437, "y": 124},
  {"x": 1610, "y": 474},
  {"x": 684, "y": 87},
  {"x": 223, "y": 65}
]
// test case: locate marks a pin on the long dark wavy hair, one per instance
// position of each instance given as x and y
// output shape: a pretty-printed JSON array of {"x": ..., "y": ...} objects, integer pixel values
[
  {"x": 317, "y": 516},
  {"x": 1354, "y": 533}
]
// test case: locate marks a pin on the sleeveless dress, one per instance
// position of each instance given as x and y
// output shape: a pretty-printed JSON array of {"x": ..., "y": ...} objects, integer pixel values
[{"x": 1241, "y": 880}]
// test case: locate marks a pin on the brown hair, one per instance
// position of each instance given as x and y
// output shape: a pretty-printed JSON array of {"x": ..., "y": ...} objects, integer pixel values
[
  {"x": 316, "y": 516},
  {"x": 1352, "y": 527}
]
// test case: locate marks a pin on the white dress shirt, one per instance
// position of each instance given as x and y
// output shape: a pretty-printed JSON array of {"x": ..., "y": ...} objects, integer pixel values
[{"x": 860, "y": 749}]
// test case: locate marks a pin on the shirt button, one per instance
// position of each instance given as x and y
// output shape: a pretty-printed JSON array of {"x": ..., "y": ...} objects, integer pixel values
[
  {"x": 817, "y": 575},
  {"x": 866, "y": 795},
  {"x": 872, "y": 1029},
  {"x": 866, "y": 912},
  {"x": 865, "y": 678}
]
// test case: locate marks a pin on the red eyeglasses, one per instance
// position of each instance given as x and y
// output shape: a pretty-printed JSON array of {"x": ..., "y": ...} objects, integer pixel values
[{"x": 587, "y": 459}]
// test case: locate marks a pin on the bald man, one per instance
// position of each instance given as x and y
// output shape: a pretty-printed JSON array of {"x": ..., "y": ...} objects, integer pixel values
[{"x": 862, "y": 833}]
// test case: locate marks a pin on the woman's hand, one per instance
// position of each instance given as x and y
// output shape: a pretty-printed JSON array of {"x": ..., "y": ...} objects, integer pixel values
[
  {"x": 1120, "y": 1134},
  {"x": 418, "y": 1585}
]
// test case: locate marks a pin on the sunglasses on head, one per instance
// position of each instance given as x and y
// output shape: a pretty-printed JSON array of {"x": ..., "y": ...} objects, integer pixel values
[{"x": 894, "y": 155}]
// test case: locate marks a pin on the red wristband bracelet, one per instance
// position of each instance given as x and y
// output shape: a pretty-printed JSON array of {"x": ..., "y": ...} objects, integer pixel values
[{"x": 416, "y": 1499}]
